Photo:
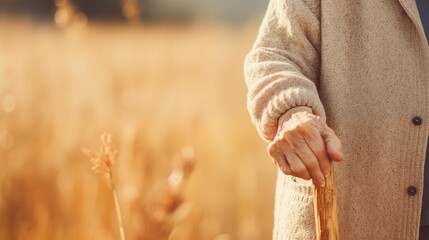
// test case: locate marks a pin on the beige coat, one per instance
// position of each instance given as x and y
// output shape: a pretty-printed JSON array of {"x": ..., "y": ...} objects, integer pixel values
[{"x": 363, "y": 66}]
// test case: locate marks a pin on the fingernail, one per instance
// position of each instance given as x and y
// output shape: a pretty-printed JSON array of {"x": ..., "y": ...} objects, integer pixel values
[
  {"x": 322, "y": 184},
  {"x": 326, "y": 173}
]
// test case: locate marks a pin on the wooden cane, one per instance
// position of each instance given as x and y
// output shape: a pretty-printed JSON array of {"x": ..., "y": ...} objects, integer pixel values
[{"x": 325, "y": 209}]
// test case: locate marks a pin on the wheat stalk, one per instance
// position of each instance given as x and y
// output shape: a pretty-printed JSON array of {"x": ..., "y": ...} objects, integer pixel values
[
  {"x": 172, "y": 197},
  {"x": 102, "y": 162},
  {"x": 164, "y": 212}
]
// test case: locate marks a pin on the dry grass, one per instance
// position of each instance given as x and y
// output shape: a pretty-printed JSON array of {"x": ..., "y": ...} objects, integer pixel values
[
  {"x": 156, "y": 89},
  {"x": 102, "y": 163}
]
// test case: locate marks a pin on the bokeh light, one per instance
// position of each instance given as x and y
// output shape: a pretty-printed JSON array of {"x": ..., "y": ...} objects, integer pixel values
[
  {"x": 8, "y": 103},
  {"x": 164, "y": 78}
]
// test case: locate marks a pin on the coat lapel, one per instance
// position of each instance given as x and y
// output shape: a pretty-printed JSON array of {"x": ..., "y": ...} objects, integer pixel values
[{"x": 410, "y": 7}]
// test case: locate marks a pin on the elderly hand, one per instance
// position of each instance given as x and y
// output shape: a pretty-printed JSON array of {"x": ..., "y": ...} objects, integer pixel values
[{"x": 304, "y": 147}]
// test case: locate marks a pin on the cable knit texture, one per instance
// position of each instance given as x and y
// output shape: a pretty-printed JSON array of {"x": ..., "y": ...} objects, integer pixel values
[{"x": 363, "y": 66}]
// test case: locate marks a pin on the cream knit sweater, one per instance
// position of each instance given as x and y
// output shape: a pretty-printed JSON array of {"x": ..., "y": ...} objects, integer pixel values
[{"x": 364, "y": 67}]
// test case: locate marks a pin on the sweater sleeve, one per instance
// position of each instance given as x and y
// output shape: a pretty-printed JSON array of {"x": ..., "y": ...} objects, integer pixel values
[{"x": 282, "y": 69}]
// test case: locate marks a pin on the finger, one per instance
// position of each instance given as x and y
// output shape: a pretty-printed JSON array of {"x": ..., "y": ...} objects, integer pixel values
[
  {"x": 297, "y": 167},
  {"x": 284, "y": 166},
  {"x": 279, "y": 159},
  {"x": 333, "y": 145},
  {"x": 315, "y": 141},
  {"x": 273, "y": 152},
  {"x": 312, "y": 164},
  {"x": 276, "y": 154}
]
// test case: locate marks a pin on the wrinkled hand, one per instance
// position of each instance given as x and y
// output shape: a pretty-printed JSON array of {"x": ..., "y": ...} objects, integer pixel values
[{"x": 304, "y": 147}]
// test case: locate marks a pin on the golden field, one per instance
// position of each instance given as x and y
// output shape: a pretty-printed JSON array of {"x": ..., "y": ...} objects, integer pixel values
[{"x": 159, "y": 90}]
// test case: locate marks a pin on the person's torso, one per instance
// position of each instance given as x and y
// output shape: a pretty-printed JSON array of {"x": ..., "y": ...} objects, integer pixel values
[{"x": 375, "y": 89}]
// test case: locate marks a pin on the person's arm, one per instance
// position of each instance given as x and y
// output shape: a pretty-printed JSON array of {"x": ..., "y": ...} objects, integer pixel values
[{"x": 282, "y": 72}]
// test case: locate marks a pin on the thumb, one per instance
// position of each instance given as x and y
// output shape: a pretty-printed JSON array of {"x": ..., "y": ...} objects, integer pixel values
[{"x": 333, "y": 145}]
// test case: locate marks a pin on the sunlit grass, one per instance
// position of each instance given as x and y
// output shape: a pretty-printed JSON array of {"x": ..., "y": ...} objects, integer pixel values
[{"x": 156, "y": 89}]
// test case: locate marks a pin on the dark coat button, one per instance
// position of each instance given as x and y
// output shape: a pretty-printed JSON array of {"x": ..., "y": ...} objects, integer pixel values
[
  {"x": 411, "y": 190},
  {"x": 417, "y": 120}
]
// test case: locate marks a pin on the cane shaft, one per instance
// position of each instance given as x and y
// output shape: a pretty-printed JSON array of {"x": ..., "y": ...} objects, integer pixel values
[{"x": 325, "y": 209}]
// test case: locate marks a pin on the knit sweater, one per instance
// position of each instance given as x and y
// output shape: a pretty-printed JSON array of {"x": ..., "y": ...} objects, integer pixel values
[{"x": 363, "y": 66}]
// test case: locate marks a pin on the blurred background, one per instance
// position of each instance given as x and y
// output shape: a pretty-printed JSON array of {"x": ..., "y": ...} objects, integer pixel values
[{"x": 164, "y": 78}]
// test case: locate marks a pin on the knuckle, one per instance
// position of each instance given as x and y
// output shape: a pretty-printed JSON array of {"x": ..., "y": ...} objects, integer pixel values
[
  {"x": 286, "y": 171},
  {"x": 330, "y": 130},
  {"x": 282, "y": 139}
]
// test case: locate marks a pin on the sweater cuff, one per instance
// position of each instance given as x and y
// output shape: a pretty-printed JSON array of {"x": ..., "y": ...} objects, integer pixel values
[{"x": 287, "y": 115}]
